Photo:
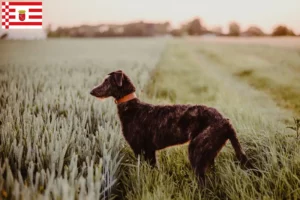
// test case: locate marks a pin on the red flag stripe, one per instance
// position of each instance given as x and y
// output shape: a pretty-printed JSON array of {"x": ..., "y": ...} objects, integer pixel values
[
  {"x": 9, "y": 16},
  {"x": 35, "y": 17},
  {"x": 25, "y": 23},
  {"x": 9, "y": 10},
  {"x": 25, "y": 3},
  {"x": 35, "y": 10},
  {"x": 3, "y": 3}
]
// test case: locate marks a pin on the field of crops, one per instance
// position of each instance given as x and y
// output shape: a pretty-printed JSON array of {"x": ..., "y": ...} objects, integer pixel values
[{"x": 58, "y": 142}]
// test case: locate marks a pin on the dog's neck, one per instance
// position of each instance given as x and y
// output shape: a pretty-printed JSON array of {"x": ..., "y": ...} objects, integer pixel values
[{"x": 126, "y": 98}]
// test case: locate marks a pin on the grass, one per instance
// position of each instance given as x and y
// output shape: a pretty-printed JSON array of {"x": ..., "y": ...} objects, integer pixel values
[
  {"x": 186, "y": 76},
  {"x": 57, "y": 141},
  {"x": 274, "y": 70}
]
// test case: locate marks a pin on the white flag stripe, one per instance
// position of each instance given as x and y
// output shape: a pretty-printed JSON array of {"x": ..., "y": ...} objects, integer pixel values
[
  {"x": 21, "y": 7},
  {"x": 27, "y": 14},
  {"x": 24, "y": 27},
  {"x": 34, "y": 13},
  {"x": 17, "y": 8}
]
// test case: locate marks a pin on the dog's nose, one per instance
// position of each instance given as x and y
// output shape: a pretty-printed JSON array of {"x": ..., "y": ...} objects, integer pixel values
[{"x": 92, "y": 92}]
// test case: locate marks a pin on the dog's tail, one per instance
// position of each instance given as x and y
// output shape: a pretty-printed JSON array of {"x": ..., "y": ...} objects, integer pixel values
[{"x": 240, "y": 154}]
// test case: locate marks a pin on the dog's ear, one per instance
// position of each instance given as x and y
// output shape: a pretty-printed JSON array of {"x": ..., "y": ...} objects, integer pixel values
[{"x": 118, "y": 77}]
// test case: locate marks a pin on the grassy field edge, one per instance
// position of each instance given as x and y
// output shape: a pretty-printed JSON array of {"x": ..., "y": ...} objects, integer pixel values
[{"x": 263, "y": 135}]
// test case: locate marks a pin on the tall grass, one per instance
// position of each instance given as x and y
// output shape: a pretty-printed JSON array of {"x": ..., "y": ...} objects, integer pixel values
[
  {"x": 57, "y": 141},
  {"x": 185, "y": 76}
]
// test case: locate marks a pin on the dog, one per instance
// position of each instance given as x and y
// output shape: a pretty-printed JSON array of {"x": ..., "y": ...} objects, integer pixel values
[{"x": 148, "y": 128}]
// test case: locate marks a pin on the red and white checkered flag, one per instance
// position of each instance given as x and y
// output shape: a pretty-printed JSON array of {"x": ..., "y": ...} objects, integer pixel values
[{"x": 22, "y": 15}]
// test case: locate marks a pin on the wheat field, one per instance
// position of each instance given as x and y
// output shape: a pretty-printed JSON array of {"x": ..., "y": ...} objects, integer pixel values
[{"x": 58, "y": 142}]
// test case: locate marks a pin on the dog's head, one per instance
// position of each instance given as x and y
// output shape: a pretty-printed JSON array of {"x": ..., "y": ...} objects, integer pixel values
[{"x": 116, "y": 85}]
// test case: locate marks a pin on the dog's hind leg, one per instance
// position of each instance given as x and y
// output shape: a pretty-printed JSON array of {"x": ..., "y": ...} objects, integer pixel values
[
  {"x": 200, "y": 174},
  {"x": 205, "y": 147},
  {"x": 199, "y": 167},
  {"x": 199, "y": 155}
]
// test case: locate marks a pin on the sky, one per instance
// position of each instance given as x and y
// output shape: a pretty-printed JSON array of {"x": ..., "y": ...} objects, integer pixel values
[{"x": 263, "y": 13}]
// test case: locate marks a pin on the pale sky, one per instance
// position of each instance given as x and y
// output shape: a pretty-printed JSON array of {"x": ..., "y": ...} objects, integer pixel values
[{"x": 264, "y": 13}]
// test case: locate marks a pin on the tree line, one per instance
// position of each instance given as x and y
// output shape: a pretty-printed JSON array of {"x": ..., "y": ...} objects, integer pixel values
[{"x": 148, "y": 29}]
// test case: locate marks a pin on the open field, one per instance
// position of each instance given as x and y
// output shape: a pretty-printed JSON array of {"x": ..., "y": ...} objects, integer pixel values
[
  {"x": 275, "y": 70},
  {"x": 188, "y": 74},
  {"x": 289, "y": 42},
  {"x": 57, "y": 142}
]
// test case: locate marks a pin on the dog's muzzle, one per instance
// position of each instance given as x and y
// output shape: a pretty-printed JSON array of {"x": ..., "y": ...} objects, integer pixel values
[{"x": 93, "y": 93}]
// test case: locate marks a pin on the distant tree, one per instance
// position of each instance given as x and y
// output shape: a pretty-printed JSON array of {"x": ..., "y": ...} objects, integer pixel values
[
  {"x": 234, "y": 29},
  {"x": 254, "y": 31},
  {"x": 48, "y": 28},
  {"x": 135, "y": 29},
  {"x": 291, "y": 33},
  {"x": 167, "y": 26},
  {"x": 282, "y": 30},
  {"x": 217, "y": 30},
  {"x": 49, "y": 31},
  {"x": 176, "y": 32},
  {"x": 162, "y": 28},
  {"x": 194, "y": 27},
  {"x": 184, "y": 27}
]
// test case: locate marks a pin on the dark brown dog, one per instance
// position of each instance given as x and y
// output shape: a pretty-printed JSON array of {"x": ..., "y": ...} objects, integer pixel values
[{"x": 148, "y": 128}]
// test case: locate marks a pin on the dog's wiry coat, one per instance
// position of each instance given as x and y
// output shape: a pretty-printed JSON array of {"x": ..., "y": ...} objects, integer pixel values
[{"x": 148, "y": 128}]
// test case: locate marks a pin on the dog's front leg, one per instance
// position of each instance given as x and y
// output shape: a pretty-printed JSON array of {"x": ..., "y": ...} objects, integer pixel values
[
  {"x": 138, "y": 152},
  {"x": 147, "y": 154},
  {"x": 150, "y": 157}
]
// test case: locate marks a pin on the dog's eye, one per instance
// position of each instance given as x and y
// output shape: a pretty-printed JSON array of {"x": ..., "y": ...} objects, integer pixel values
[{"x": 104, "y": 80}]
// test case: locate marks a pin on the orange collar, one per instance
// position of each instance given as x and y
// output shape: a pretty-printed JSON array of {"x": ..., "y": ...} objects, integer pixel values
[{"x": 126, "y": 98}]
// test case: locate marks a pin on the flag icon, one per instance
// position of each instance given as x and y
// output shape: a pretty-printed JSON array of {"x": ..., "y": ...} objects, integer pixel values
[{"x": 22, "y": 15}]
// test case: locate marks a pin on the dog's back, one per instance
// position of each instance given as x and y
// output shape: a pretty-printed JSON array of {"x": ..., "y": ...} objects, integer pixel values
[{"x": 164, "y": 125}]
